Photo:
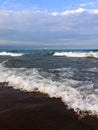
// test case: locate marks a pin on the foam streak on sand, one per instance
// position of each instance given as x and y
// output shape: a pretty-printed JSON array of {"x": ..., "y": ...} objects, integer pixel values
[
  {"x": 76, "y": 94},
  {"x": 77, "y": 54}
]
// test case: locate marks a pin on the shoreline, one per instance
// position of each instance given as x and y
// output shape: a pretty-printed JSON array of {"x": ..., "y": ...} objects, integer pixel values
[{"x": 36, "y": 111}]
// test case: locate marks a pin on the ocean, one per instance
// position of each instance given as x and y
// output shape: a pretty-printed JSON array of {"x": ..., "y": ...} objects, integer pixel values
[{"x": 71, "y": 75}]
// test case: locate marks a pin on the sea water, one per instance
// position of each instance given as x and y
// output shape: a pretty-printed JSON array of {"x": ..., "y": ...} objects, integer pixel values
[{"x": 71, "y": 75}]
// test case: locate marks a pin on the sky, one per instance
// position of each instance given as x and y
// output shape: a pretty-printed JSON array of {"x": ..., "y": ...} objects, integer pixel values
[{"x": 52, "y": 24}]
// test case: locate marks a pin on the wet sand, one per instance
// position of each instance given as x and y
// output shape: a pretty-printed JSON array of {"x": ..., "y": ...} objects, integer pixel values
[{"x": 36, "y": 111}]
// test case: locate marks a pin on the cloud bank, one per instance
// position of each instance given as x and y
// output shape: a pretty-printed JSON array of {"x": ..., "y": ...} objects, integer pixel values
[{"x": 70, "y": 29}]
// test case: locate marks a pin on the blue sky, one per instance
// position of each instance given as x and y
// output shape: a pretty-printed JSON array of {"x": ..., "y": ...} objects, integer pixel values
[
  {"x": 50, "y": 5},
  {"x": 55, "y": 24}
]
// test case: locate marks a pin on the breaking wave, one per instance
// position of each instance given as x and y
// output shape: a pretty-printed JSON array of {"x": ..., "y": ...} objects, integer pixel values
[
  {"x": 77, "y": 54},
  {"x": 10, "y": 54},
  {"x": 79, "y": 95}
]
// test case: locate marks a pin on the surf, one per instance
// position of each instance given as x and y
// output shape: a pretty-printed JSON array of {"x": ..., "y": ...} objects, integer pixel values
[
  {"x": 77, "y": 54},
  {"x": 10, "y": 54},
  {"x": 77, "y": 95}
]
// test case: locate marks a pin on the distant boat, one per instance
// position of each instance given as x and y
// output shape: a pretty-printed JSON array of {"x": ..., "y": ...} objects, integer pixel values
[{"x": 44, "y": 48}]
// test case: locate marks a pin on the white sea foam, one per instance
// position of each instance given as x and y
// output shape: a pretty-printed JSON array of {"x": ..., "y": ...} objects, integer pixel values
[
  {"x": 77, "y": 54},
  {"x": 78, "y": 95},
  {"x": 10, "y": 54}
]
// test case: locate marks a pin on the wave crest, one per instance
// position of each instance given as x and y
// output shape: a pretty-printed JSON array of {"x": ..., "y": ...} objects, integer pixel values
[
  {"x": 10, "y": 54},
  {"x": 77, "y": 54}
]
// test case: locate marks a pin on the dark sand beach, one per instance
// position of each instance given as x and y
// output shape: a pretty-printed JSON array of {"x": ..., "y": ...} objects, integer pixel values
[{"x": 36, "y": 111}]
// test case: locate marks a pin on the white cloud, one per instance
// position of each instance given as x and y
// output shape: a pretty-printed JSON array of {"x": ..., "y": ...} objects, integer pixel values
[
  {"x": 84, "y": 4},
  {"x": 55, "y": 13},
  {"x": 91, "y": 3},
  {"x": 93, "y": 11},
  {"x": 76, "y": 11},
  {"x": 43, "y": 27},
  {"x": 69, "y": 12},
  {"x": 80, "y": 10},
  {"x": 87, "y": 4}
]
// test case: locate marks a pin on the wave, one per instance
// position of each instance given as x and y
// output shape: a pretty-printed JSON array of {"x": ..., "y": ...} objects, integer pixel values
[
  {"x": 79, "y": 95},
  {"x": 10, "y": 54},
  {"x": 77, "y": 54}
]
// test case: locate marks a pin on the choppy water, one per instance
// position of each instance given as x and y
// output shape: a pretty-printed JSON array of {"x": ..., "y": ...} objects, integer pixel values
[{"x": 71, "y": 75}]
